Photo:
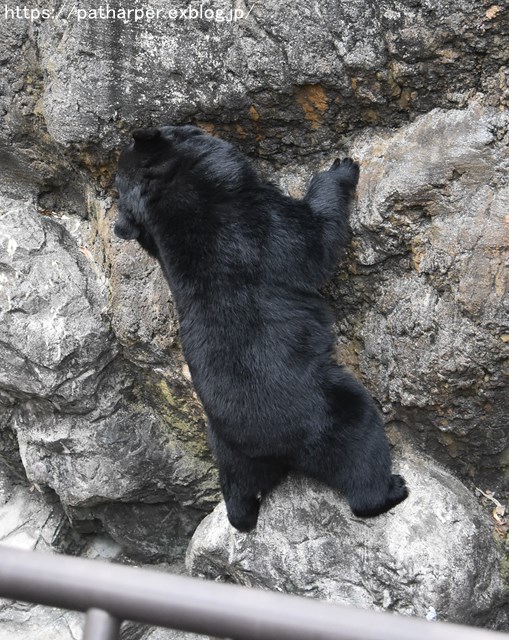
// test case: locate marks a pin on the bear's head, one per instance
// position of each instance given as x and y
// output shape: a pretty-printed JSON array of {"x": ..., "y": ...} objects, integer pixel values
[{"x": 168, "y": 168}]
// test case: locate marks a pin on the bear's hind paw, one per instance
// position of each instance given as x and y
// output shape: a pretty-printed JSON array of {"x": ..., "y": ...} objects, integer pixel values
[{"x": 397, "y": 492}]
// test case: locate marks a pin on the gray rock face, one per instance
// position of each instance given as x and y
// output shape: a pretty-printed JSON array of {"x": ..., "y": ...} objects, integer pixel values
[
  {"x": 433, "y": 556},
  {"x": 285, "y": 80},
  {"x": 29, "y": 520},
  {"x": 290, "y": 83},
  {"x": 334, "y": 64},
  {"x": 36, "y": 522},
  {"x": 47, "y": 315},
  {"x": 80, "y": 411},
  {"x": 424, "y": 312},
  {"x": 32, "y": 520}
]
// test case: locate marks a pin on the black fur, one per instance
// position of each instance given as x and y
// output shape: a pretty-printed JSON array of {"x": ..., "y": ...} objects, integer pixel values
[{"x": 244, "y": 263}]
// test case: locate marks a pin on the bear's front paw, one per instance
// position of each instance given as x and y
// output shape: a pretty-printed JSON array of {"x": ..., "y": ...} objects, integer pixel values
[{"x": 347, "y": 169}]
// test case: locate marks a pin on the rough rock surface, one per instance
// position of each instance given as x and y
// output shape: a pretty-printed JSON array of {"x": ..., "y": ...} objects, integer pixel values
[
  {"x": 433, "y": 556},
  {"x": 424, "y": 312},
  {"x": 422, "y": 297},
  {"x": 36, "y": 522},
  {"x": 85, "y": 423},
  {"x": 289, "y": 83},
  {"x": 336, "y": 64},
  {"x": 287, "y": 79},
  {"x": 33, "y": 521}
]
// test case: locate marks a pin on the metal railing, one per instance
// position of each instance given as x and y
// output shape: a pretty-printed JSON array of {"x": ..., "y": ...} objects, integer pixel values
[{"x": 111, "y": 593}]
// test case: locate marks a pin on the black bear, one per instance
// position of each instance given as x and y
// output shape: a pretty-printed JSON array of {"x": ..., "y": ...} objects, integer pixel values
[{"x": 245, "y": 263}]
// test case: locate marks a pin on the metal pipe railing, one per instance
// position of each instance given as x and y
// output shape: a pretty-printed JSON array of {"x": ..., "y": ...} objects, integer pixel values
[
  {"x": 100, "y": 625},
  {"x": 189, "y": 604}
]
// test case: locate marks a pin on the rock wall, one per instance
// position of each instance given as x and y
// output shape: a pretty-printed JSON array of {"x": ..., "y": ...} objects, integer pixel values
[
  {"x": 120, "y": 443},
  {"x": 95, "y": 400},
  {"x": 427, "y": 297}
]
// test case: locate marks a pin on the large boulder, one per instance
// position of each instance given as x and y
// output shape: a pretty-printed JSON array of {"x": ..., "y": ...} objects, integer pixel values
[
  {"x": 292, "y": 84},
  {"x": 433, "y": 556}
]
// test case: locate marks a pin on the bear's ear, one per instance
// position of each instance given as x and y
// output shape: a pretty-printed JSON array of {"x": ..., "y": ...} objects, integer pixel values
[{"x": 145, "y": 137}]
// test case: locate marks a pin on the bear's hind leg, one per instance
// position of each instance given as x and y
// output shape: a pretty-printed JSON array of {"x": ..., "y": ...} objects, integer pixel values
[
  {"x": 244, "y": 481},
  {"x": 241, "y": 498},
  {"x": 367, "y": 483},
  {"x": 354, "y": 457}
]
